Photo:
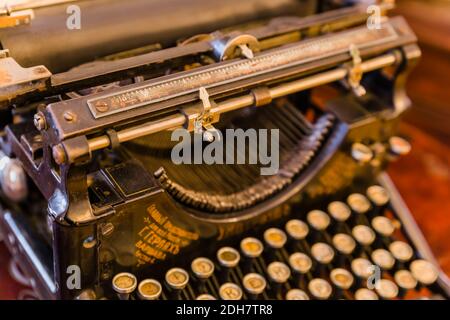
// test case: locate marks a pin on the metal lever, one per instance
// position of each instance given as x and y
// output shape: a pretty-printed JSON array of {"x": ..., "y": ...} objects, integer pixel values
[
  {"x": 355, "y": 73},
  {"x": 205, "y": 118}
]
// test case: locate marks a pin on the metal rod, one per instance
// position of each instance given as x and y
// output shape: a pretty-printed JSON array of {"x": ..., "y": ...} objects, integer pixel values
[{"x": 177, "y": 121}]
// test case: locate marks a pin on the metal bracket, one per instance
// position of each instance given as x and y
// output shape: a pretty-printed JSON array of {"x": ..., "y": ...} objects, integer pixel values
[
  {"x": 355, "y": 72},
  {"x": 205, "y": 118}
]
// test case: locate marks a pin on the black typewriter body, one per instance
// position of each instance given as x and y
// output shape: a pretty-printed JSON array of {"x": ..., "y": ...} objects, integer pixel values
[{"x": 92, "y": 137}]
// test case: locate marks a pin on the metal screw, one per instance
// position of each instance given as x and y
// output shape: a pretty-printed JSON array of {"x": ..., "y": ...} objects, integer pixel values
[
  {"x": 39, "y": 121},
  {"x": 59, "y": 154},
  {"x": 107, "y": 229},
  {"x": 69, "y": 116}
]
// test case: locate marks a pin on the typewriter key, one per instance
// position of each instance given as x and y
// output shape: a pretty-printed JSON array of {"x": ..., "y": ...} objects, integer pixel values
[
  {"x": 405, "y": 281},
  {"x": 275, "y": 238},
  {"x": 383, "y": 259},
  {"x": 383, "y": 226},
  {"x": 401, "y": 251},
  {"x": 296, "y": 294},
  {"x": 339, "y": 211},
  {"x": 365, "y": 236},
  {"x": 399, "y": 146},
  {"x": 251, "y": 247},
  {"x": 300, "y": 262},
  {"x": 360, "y": 205},
  {"x": 124, "y": 284},
  {"x": 230, "y": 291},
  {"x": 322, "y": 253},
  {"x": 228, "y": 259},
  {"x": 344, "y": 243},
  {"x": 320, "y": 289},
  {"x": 205, "y": 296},
  {"x": 424, "y": 272},
  {"x": 254, "y": 284},
  {"x": 297, "y": 231},
  {"x": 149, "y": 289},
  {"x": 279, "y": 274},
  {"x": 362, "y": 268},
  {"x": 386, "y": 289},
  {"x": 203, "y": 268},
  {"x": 176, "y": 280},
  {"x": 342, "y": 280},
  {"x": 365, "y": 294},
  {"x": 379, "y": 197},
  {"x": 318, "y": 220}
]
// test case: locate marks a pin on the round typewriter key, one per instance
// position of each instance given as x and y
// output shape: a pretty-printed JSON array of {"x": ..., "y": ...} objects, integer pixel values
[
  {"x": 322, "y": 253},
  {"x": 228, "y": 257},
  {"x": 278, "y": 272},
  {"x": 297, "y": 229},
  {"x": 205, "y": 296},
  {"x": 424, "y": 272},
  {"x": 399, "y": 146},
  {"x": 364, "y": 235},
  {"x": 365, "y": 294},
  {"x": 296, "y": 294},
  {"x": 405, "y": 281},
  {"x": 124, "y": 284},
  {"x": 358, "y": 203},
  {"x": 341, "y": 278},
  {"x": 378, "y": 195},
  {"x": 386, "y": 289},
  {"x": 149, "y": 289},
  {"x": 344, "y": 243},
  {"x": 203, "y": 268},
  {"x": 318, "y": 220},
  {"x": 300, "y": 262},
  {"x": 176, "y": 280},
  {"x": 275, "y": 238},
  {"x": 320, "y": 289},
  {"x": 362, "y": 268},
  {"x": 251, "y": 247},
  {"x": 383, "y": 226},
  {"x": 254, "y": 284},
  {"x": 383, "y": 259},
  {"x": 230, "y": 291},
  {"x": 339, "y": 211},
  {"x": 401, "y": 251}
]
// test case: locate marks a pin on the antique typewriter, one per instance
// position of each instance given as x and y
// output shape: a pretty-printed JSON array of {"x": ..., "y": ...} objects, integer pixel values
[{"x": 94, "y": 207}]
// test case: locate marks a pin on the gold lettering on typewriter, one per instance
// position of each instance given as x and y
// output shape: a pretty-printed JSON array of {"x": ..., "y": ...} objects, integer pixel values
[{"x": 160, "y": 237}]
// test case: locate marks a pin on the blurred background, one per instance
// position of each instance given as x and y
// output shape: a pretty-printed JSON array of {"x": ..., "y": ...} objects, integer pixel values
[{"x": 423, "y": 177}]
